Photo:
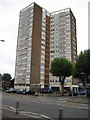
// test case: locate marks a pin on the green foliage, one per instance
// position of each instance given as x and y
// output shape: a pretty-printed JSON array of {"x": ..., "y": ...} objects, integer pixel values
[
  {"x": 0, "y": 76},
  {"x": 82, "y": 64},
  {"x": 6, "y": 77},
  {"x": 61, "y": 67},
  {"x": 75, "y": 72}
]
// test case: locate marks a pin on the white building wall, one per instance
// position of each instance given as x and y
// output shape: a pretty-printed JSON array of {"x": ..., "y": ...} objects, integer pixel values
[
  {"x": 24, "y": 46},
  {"x": 60, "y": 42}
]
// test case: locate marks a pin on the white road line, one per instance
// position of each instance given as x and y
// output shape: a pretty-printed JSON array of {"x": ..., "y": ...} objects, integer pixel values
[
  {"x": 73, "y": 107},
  {"x": 31, "y": 115},
  {"x": 36, "y": 102},
  {"x": 45, "y": 116},
  {"x": 12, "y": 108},
  {"x": 5, "y": 106}
]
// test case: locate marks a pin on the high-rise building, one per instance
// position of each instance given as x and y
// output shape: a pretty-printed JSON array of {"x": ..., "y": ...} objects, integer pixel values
[
  {"x": 63, "y": 41},
  {"x": 33, "y": 48},
  {"x": 42, "y": 36}
]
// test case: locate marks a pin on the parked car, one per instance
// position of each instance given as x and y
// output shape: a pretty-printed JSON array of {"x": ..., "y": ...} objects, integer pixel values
[
  {"x": 11, "y": 90},
  {"x": 59, "y": 92},
  {"x": 88, "y": 92},
  {"x": 46, "y": 91},
  {"x": 65, "y": 91},
  {"x": 72, "y": 92},
  {"x": 82, "y": 92},
  {"x": 30, "y": 92},
  {"x": 19, "y": 91},
  {"x": 49, "y": 91},
  {"x": 23, "y": 92},
  {"x": 43, "y": 91}
]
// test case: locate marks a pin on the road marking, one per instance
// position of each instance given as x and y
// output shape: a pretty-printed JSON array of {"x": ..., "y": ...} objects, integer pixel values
[
  {"x": 46, "y": 117},
  {"x": 5, "y": 106},
  {"x": 36, "y": 102},
  {"x": 74, "y": 107},
  {"x": 63, "y": 99},
  {"x": 31, "y": 115},
  {"x": 69, "y": 106},
  {"x": 12, "y": 108},
  {"x": 36, "y": 115}
]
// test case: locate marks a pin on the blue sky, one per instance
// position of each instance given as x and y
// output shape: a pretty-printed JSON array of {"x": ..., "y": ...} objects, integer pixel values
[{"x": 9, "y": 19}]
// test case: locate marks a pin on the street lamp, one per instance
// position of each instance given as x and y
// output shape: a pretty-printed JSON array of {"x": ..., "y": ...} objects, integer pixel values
[
  {"x": 2, "y": 40},
  {"x": 85, "y": 82},
  {"x": 78, "y": 88}
]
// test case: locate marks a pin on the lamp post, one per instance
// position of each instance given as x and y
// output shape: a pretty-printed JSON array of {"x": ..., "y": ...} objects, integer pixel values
[
  {"x": 85, "y": 82},
  {"x": 78, "y": 88}
]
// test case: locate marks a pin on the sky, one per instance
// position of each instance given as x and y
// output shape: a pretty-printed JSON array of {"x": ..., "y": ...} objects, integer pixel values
[{"x": 9, "y": 20}]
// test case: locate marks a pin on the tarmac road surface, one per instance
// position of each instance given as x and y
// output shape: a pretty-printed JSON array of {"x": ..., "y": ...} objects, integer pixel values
[{"x": 47, "y": 106}]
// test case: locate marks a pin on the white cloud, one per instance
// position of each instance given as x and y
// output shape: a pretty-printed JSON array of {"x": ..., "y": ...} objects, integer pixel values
[{"x": 9, "y": 19}]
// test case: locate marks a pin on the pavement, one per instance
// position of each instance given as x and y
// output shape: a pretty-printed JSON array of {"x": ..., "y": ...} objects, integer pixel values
[
  {"x": 80, "y": 100},
  {"x": 75, "y": 99},
  {"x": 10, "y": 114}
]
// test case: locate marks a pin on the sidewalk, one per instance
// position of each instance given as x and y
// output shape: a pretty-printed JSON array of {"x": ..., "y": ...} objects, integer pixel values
[
  {"x": 81, "y": 100},
  {"x": 7, "y": 113},
  {"x": 77, "y": 99}
]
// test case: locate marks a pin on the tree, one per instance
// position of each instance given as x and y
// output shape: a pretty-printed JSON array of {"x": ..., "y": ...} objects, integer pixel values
[
  {"x": 82, "y": 65},
  {"x": 62, "y": 68},
  {"x": 0, "y": 77},
  {"x": 6, "y": 77}
]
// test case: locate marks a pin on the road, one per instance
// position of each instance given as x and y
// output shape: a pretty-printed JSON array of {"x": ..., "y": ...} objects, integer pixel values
[{"x": 46, "y": 106}]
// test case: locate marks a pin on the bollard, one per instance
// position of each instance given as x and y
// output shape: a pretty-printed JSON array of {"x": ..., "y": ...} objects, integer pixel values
[
  {"x": 60, "y": 114},
  {"x": 72, "y": 96},
  {"x": 78, "y": 95},
  {"x": 17, "y": 107}
]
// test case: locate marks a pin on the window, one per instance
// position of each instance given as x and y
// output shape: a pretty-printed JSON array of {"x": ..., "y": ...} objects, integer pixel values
[
  {"x": 42, "y": 61},
  {"x": 52, "y": 56},
  {"x": 52, "y": 51},
  {"x": 51, "y": 80},
  {"x": 41, "y": 80}
]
